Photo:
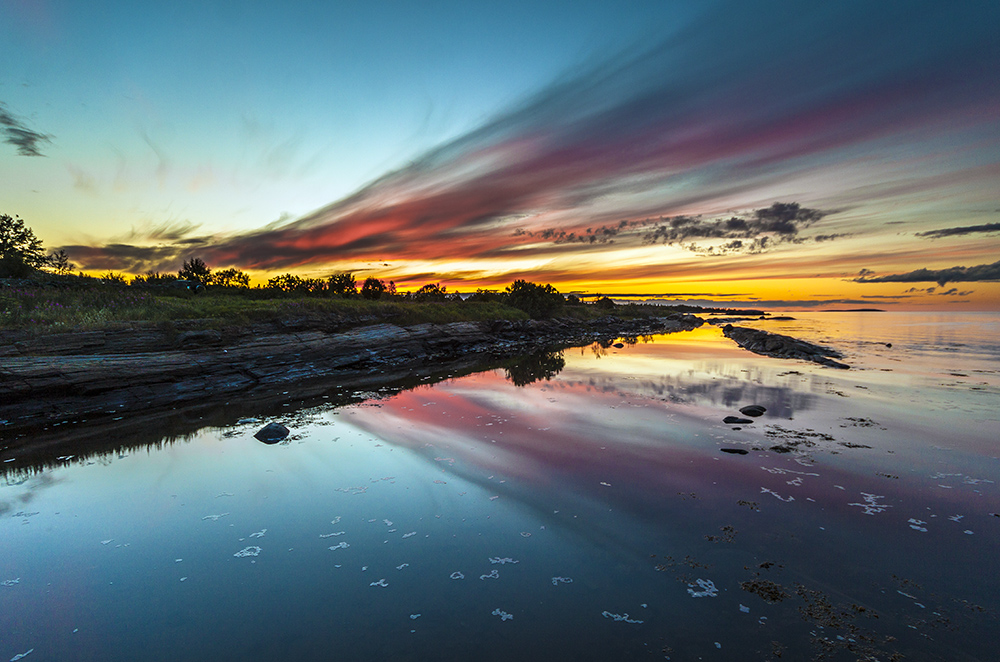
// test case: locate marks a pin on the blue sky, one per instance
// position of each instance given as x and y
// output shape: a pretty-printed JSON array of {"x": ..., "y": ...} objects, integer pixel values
[
  {"x": 278, "y": 109},
  {"x": 477, "y": 142}
]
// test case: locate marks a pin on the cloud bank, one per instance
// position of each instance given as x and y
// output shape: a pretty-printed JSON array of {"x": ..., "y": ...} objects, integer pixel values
[
  {"x": 982, "y": 272},
  {"x": 957, "y": 232}
]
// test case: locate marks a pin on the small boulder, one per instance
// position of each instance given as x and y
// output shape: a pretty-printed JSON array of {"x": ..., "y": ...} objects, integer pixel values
[
  {"x": 271, "y": 433},
  {"x": 734, "y": 451},
  {"x": 753, "y": 410},
  {"x": 736, "y": 420},
  {"x": 618, "y": 345}
]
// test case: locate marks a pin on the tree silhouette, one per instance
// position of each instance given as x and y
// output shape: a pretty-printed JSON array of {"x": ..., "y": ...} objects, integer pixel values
[
  {"x": 536, "y": 300},
  {"x": 373, "y": 289},
  {"x": 231, "y": 278},
  {"x": 20, "y": 250},
  {"x": 195, "y": 269},
  {"x": 342, "y": 285},
  {"x": 431, "y": 292},
  {"x": 59, "y": 262}
]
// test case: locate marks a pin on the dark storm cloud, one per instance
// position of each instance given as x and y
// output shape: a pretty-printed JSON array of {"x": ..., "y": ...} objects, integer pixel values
[
  {"x": 956, "y": 232},
  {"x": 753, "y": 233},
  {"x": 982, "y": 272},
  {"x": 764, "y": 228}
]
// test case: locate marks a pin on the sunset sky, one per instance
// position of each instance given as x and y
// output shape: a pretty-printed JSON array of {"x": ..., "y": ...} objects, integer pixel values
[{"x": 629, "y": 149}]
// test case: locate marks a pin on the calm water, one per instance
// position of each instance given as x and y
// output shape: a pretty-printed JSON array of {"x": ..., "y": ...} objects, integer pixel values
[{"x": 590, "y": 516}]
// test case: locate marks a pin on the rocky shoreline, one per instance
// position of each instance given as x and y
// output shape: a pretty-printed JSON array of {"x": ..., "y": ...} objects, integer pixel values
[
  {"x": 49, "y": 380},
  {"x": 776, "y": 345}
]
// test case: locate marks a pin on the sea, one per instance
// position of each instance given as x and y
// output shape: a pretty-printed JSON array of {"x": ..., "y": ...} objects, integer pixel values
[{"x": 586, "y": 503}]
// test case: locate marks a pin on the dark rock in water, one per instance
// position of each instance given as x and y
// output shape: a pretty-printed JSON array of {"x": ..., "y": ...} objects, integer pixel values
[
  {"x": 888, "y": 344},
  {"x": 734, "y": 451},
  {"x": 783, "y": 347},
  {"x": 271, "y": 433},
  {"x": 618, "y": 345},
  {"x": 781, "y": 449},
  {"x": 781, "y": 318},
  {"x": 753, "y": 410},
  {"x": 719, "y": 321},
  {"x": 736, "y": 420}
]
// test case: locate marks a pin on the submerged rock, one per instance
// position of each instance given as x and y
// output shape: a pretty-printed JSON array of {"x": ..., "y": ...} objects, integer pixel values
[
  {"x": 271, "y": 433},
  {"x": 753, "y": 410},
  {"x": 736, "y": 420},
  {"x": 734, "y": 451}
]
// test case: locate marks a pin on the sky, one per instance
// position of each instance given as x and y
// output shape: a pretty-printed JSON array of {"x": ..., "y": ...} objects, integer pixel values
[{"x": 773, "y": 153}]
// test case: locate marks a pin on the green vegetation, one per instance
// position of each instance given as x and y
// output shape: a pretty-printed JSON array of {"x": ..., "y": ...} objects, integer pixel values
[
  {"x": 98, "y": 305},
  {"x": 39, "y": 294},
  {"x": 53, "y": 303}
]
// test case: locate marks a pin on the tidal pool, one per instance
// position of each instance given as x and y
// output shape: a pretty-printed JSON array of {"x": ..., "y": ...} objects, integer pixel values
[{"x": 583, "y": 505}]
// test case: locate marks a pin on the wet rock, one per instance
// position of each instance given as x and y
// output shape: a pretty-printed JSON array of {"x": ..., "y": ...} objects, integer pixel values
[
  {"x": 753, "y": 410},
  {"x": 736, "y": 420},
  {"x": 201, "y": 338},
  {"x": 271, "y": 433},
  {"x": 783, "y": 347},
  {"x": 618, "y": 345},
  {"x": 142, "y": 367},
  {"x": 734, "y": 451}
]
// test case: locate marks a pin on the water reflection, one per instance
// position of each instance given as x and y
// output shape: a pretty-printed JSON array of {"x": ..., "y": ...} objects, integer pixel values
[
  {"x": 576, "y": 506},
  {"x": 535, "y": 367}
]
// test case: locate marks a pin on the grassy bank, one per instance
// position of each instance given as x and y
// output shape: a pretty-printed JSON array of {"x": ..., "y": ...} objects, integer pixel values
[
  {"x": 48, "y": 310},
  {"x": 29, "y": 308}
]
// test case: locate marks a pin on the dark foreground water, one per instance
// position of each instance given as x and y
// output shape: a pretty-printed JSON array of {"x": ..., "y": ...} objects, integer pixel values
[{"x": 606, "y": 513}]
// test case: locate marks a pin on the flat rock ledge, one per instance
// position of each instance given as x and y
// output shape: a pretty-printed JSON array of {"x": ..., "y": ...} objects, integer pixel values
[
  {"x": 783, "y": 347},
  {"x": 67, "y": 376}
]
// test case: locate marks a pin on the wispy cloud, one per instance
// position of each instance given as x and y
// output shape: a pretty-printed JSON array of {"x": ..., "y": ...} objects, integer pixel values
[
  {"x": 716, "y": 118},
  {"x": 17, "y": 133},
  {"x": 981, "y": 272},
  {"x": 964, "y": 230}
]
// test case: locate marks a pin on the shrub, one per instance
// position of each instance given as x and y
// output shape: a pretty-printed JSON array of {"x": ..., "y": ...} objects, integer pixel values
[
  {"x": 536, "y": 300},
  {"x": 12, "y": 265},
  {"x": 343, "y": 285},
  {"x": 486, "y": 296},
  {"x": 112, "y": 278},
  {"x": 374, "y": 288},
  {"x": 152, "y": 279},
  {"x": 230, "y": 278},
  {"x": 430, "y": 292},
  {"x": 604, "y": 303}
]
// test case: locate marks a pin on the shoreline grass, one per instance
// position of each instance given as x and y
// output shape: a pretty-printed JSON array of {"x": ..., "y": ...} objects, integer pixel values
[{"x": 69, "y": 304}]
